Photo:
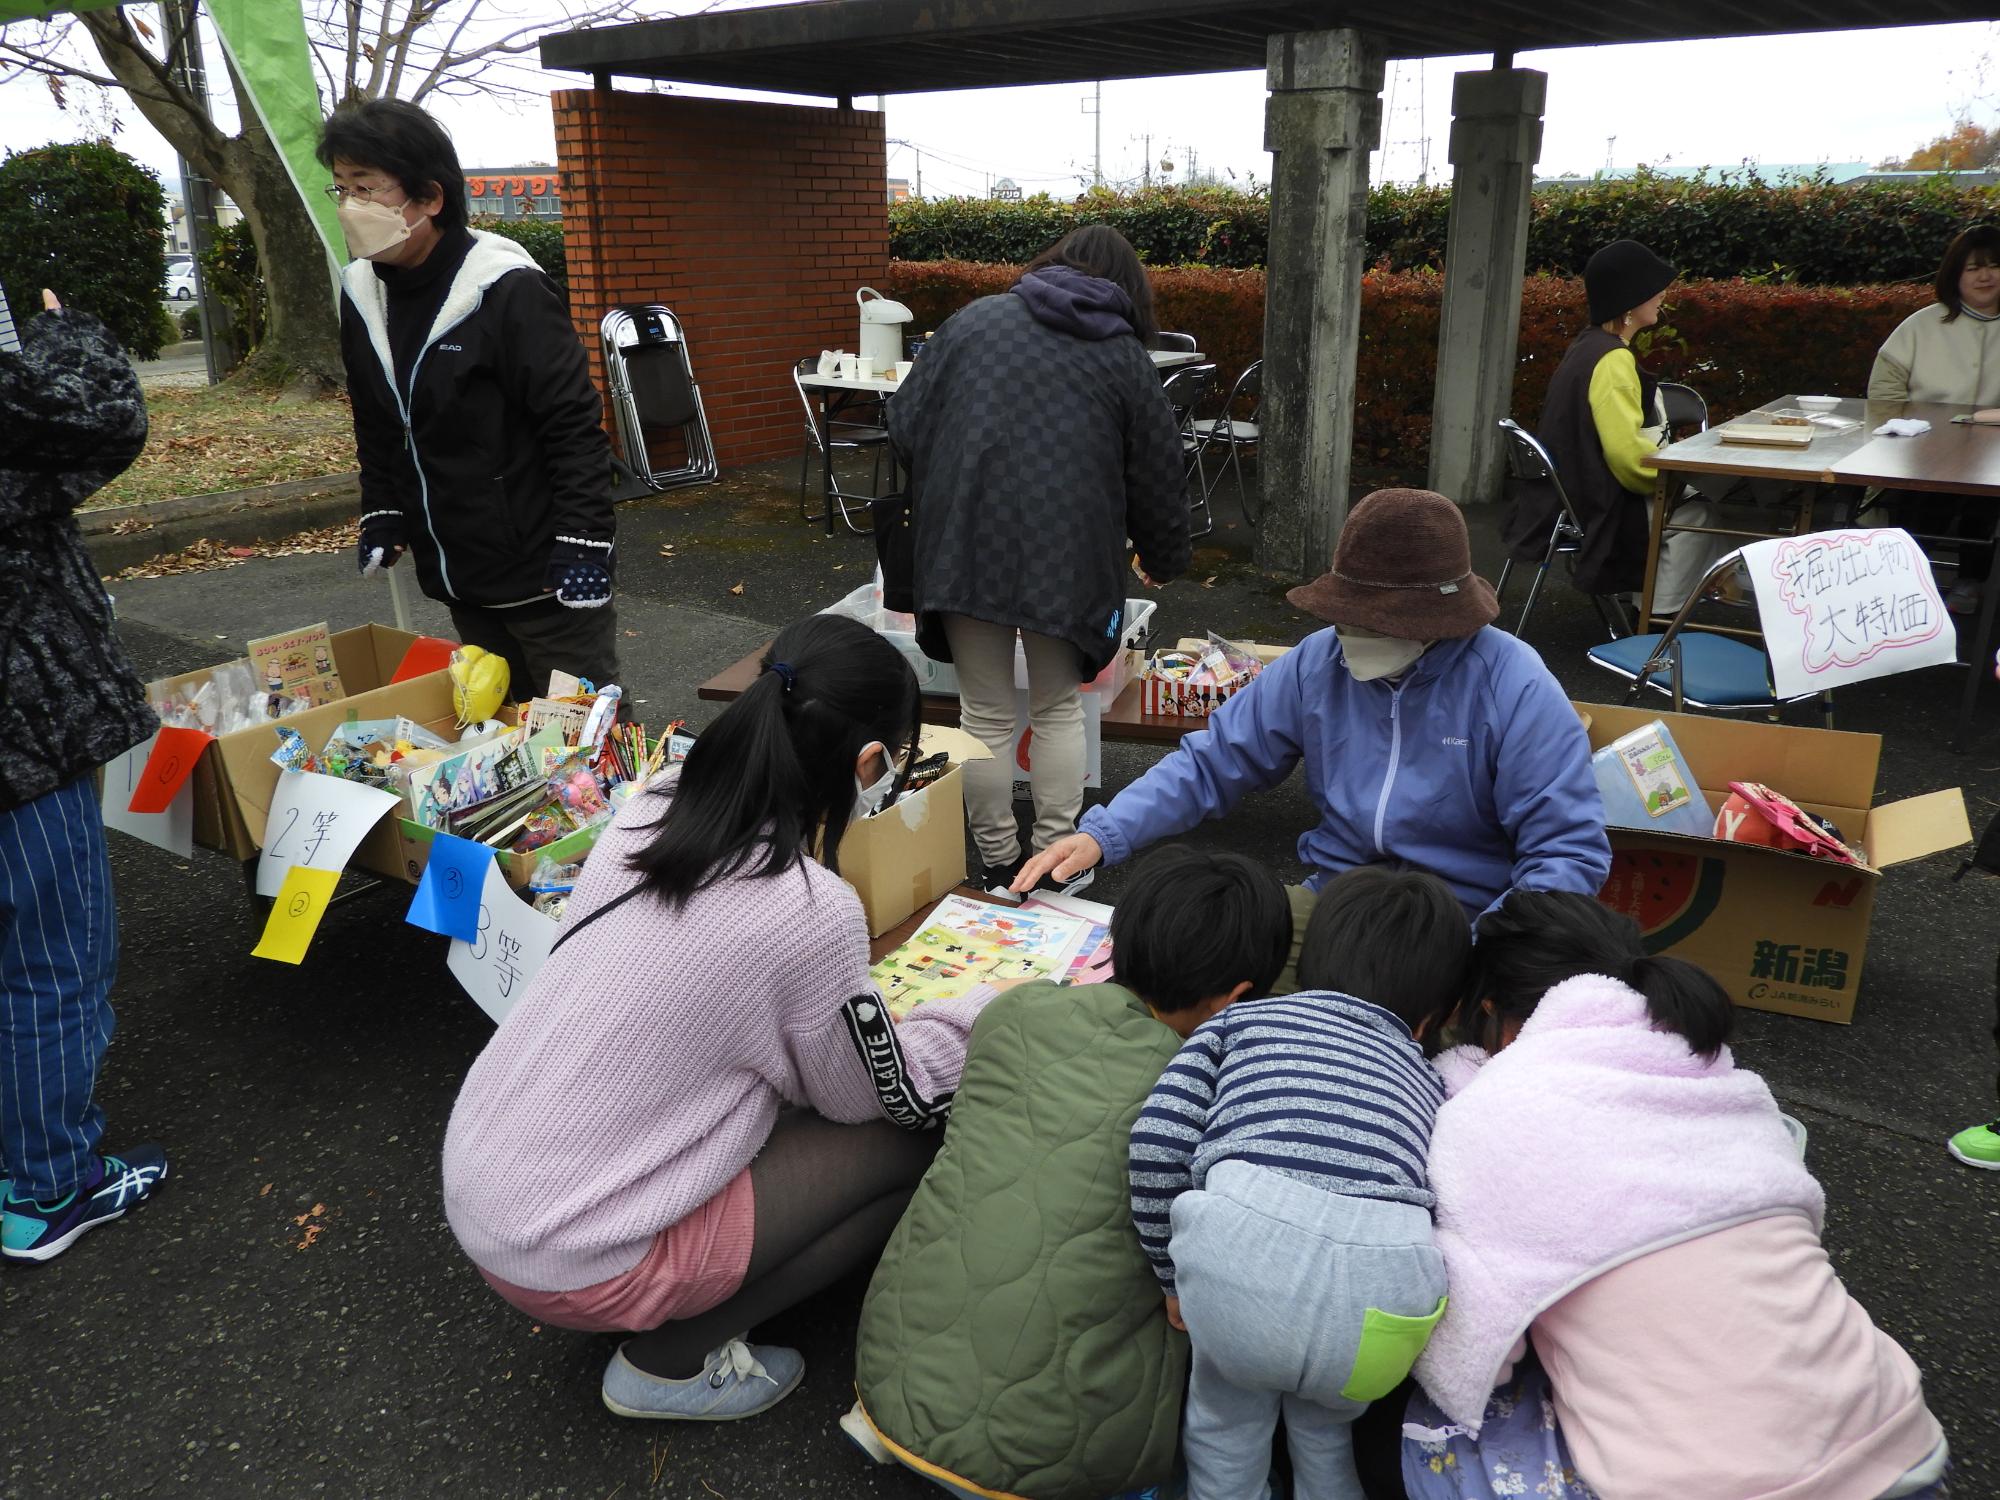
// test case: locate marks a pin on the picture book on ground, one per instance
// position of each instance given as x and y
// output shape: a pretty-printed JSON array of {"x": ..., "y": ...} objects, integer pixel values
[{"x": 966, "y": 943}]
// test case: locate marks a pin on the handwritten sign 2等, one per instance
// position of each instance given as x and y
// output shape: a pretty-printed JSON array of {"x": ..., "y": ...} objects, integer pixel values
[
  {"x": 1847, "y": 606},
  {"x": 316, "y": 822}
]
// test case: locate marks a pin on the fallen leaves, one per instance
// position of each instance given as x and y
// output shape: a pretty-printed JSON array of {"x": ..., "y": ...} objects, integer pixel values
[
  {"x": 737, "y": 591},
  {"x": 313, "y": 1222},
  {"x": 206, "y": 556},
  {"x": 213, "y": 438}
]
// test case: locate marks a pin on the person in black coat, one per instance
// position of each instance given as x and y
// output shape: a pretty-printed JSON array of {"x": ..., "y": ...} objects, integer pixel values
[
  {"x": 1038, "y": 439},
  {"x": 71, "y": 420},
  {"x": 479, "y": 432}
]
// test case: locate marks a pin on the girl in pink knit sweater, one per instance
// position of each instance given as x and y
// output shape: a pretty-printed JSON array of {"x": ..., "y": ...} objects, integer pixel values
[
  {"x": 1614, "y": 1191},
  {"x": 701, "y": 1114}
]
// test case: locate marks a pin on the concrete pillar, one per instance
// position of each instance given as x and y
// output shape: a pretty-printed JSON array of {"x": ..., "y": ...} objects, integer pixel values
[
  {"x": 1323, "y": 118},
  {"x": 1496, "y": 138}
]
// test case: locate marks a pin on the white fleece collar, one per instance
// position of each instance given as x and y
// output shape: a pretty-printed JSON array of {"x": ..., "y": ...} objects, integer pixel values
[{"x": 491, "y": 257}]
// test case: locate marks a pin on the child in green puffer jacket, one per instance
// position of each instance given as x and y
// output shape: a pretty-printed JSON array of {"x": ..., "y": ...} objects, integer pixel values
[{"x": 1013, "y": 1342}]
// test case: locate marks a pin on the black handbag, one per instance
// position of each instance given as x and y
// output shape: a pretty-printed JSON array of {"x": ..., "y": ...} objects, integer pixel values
[{"x": 896, "y": 550}]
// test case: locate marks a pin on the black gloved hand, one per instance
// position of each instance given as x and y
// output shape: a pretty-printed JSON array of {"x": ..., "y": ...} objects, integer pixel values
[
  {"x": 579, "y": 573},
  {"x": 381, "y": 541}
]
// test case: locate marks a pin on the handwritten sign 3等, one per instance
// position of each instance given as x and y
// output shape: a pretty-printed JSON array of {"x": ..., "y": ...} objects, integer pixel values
[
  {"x": 508, "y": 947},
  {"x": 1847, "y": 606}
]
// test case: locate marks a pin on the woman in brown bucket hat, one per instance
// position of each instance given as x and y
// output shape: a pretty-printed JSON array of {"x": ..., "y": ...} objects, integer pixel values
[{"x": 1426, "y": 735}]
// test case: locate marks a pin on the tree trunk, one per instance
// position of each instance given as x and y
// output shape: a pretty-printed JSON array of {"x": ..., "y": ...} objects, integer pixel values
[{"x": 302, "y": 340}]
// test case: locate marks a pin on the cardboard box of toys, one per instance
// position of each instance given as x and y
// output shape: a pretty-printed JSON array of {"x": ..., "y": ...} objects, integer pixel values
[
  {"x": 913, "y": 851},
  {"x": 1782, "y": 931},
  {"x": 235, "y": 776}
]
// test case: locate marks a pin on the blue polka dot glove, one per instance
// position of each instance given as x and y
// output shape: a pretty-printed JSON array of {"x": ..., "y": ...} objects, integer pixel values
[{"x": 579, "y": 573}]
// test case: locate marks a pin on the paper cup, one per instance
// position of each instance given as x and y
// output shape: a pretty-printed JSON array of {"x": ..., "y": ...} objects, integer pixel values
[
  {"x": 849, "y": 367},
  {"x": 903, "y": 368},
  {"x": 864, "y": 367}
]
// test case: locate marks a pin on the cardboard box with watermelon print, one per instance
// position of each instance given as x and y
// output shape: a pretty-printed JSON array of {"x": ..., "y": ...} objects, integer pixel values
[{"x": 1782, "y": 931}]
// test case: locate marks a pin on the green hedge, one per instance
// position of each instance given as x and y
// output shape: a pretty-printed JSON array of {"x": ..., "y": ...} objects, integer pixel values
[
  {"x": 1737, "y": 342},
  {"x": 1812, "y": 232},
  {"x": 541, "y": 238}
]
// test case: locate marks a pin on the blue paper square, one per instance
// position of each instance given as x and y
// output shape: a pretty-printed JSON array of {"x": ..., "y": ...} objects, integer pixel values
[{"x": 447, "y": 899}]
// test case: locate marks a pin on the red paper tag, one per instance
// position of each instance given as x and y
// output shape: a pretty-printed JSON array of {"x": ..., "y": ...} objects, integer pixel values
[
  {"x": 167, "y": 769},
  {"x": 427, "y": 653}
]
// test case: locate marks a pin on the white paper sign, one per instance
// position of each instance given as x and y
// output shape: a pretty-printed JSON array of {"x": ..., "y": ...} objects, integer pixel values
[
  {"x": 172, "y": 830},
  {"x": 1846, "y": 606},
  {"x": 318, "y": 822},
  {"x": 513, "y": 943}
]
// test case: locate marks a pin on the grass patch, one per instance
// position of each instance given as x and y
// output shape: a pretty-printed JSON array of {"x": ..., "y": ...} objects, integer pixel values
[{"x": 220, "y": 438}]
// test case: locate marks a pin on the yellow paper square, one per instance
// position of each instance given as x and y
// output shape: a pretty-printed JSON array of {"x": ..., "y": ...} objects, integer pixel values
[{"x": 295, "y": 913}]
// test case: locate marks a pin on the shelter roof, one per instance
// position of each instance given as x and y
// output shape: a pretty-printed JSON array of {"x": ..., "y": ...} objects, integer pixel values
[{"x": 834, "y": 48}]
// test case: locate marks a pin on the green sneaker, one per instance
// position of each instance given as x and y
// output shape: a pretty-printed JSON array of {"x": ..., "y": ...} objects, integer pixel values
[{"x": 1978, "y": 1147}]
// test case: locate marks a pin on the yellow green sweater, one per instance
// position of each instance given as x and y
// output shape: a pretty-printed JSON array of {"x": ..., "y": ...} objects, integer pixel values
[{"x": 1628, "y": 439}]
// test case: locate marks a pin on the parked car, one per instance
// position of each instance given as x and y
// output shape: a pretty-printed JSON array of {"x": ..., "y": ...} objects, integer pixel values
[{"x": 180, "y": 282}]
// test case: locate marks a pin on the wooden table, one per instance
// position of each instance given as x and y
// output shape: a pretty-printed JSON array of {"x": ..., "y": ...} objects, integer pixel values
[
  {"x": 1951, "y": 459},
  {"x": 1122, "y": 720}
]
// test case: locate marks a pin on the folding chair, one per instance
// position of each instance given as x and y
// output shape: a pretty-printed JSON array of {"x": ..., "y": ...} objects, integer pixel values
[
  {"x": 1176, "y": 343},
  {"x": 653, "y": 390},
  {"x": 1530, "y": 463},
  {"x": 841, "y": 437},
  {"x": 1234, "y": 432},
  {"x": 1704, "y": 670},
  {"x": 1684, "y": 406},
  {"x": 1186, "y": 388}
]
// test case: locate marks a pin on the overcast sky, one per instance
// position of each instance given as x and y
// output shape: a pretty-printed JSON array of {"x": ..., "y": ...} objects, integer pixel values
[{"x": 1848, "y": 96}]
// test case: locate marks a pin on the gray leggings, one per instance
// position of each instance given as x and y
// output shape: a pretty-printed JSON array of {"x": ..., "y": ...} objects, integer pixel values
[{"x": 827, "y": 1196}]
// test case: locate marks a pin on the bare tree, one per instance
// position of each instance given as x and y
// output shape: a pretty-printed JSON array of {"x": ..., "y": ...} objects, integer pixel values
[{"x": 407, "y": 49}]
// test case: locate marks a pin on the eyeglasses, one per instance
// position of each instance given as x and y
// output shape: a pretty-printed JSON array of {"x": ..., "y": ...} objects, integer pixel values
[{"x": 340, "y": 194}]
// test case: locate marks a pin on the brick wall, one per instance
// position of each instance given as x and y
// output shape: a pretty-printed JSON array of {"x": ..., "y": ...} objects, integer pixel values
[{"x": 755, "y": 223}]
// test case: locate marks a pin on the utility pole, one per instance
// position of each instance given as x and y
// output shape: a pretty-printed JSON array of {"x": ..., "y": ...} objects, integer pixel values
[
  {"x": 177, "y": 21},
  {"x": 1094, "y": 107},
  {"x": 1146, "y": 154},
  {"x": 1610, "y": 142}
]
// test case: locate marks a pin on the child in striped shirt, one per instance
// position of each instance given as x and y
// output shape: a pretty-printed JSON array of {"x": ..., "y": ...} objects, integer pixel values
[{"x": 1278, "y": 1186}]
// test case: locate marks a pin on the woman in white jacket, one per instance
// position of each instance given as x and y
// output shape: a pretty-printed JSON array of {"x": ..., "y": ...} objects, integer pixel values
[{"x": 1950, "y": 352}]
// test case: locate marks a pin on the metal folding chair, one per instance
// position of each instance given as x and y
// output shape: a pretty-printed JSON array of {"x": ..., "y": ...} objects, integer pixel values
[
  {"x": 1530, "y": 463},
  {"x": 1186, "y": 389},
  {"x": 653, "y": 390},
  {"x": 1704, "y": 670},
  {"x": 1684, "y": 406},
  {"x": 1234, "y": 432},
  {"x": 839, "y": 437},
  {"x": 1176, "y": 343}
]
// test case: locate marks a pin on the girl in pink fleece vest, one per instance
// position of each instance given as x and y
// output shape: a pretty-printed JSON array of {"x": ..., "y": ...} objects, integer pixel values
[{"x": 1615, "y": 1193}]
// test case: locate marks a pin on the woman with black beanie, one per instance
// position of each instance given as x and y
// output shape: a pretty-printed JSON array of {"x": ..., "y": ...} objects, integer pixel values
[{"x": 1602, "y": 423}]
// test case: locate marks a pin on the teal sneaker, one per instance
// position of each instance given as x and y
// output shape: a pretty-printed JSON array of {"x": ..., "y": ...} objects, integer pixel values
[
  {"x": 1978, "y": 1146},
  {"x": 42, "y": 1231},
  {"x": 736, "y": 1381}
]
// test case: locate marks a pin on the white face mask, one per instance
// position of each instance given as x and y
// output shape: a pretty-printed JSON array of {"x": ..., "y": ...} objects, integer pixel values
[
  {"x": 371, "y": 228},
  {"x": 1370, "y": 656},
  {"x": 868, "y": 799}
]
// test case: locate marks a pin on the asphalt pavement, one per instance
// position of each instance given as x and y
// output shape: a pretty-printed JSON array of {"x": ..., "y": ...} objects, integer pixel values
[{"x": 291, "y": 1316}]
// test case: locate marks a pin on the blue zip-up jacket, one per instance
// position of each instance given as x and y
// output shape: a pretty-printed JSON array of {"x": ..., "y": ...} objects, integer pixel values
[{"x": 1474, "y": 767}]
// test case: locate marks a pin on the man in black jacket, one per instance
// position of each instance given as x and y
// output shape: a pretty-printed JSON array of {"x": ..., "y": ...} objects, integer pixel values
[
  {"x": 477, "y": 426},
  {"x": 71, "y": 419}
]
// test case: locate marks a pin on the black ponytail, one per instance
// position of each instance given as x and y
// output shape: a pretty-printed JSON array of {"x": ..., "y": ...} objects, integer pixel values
[
  {"x": 1534, "y": 940},
  {"x": 776, "y": 768}
]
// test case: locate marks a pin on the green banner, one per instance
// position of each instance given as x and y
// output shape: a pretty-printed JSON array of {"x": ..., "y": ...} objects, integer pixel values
[
  {"x": 266, "y": 42},
  {"x": 33, "y": 10}
]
